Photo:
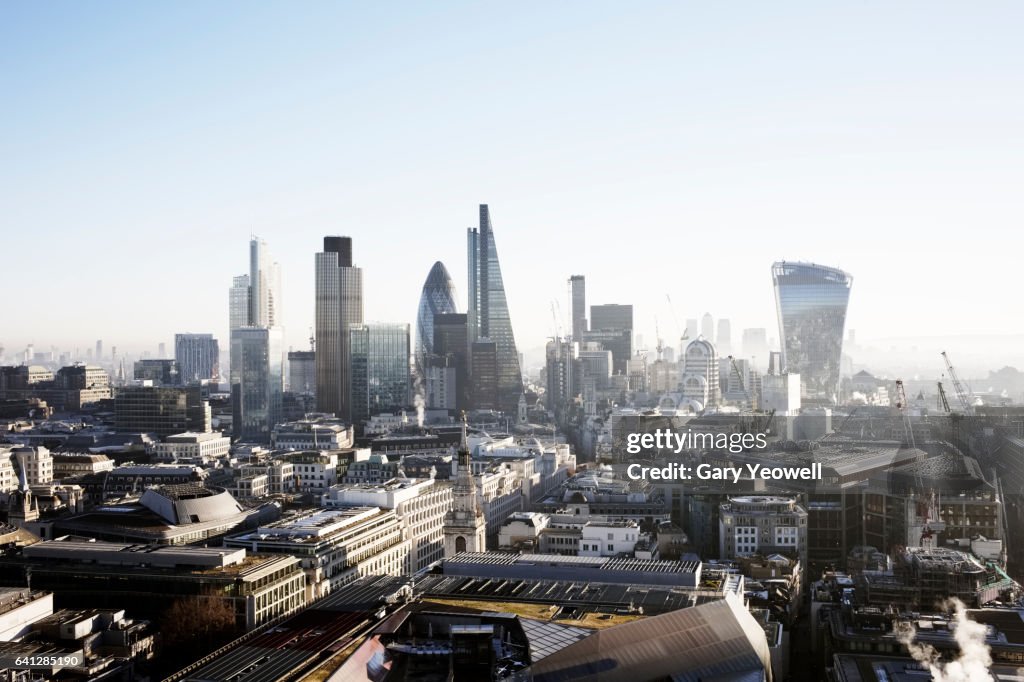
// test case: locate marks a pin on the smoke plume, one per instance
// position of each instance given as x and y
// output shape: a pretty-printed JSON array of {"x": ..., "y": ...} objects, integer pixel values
[
  {"x": 975, "y": 659},
  {"x": 418, "y": 402}
]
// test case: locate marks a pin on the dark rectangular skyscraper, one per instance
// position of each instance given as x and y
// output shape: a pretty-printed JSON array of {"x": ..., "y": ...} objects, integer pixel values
[
  {"x": 451, "y": 343},
  {"x": 578, "y": 292},
  {"x": 611, "y": 316},
  {"x": 339, "y": 305},
  {"x": 489, "y": 316}
]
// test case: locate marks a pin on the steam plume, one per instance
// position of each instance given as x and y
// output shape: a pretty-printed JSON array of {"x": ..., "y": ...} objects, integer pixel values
[
  {"x": 975, "y": 659},
  {"x": 418, "y": 402}
]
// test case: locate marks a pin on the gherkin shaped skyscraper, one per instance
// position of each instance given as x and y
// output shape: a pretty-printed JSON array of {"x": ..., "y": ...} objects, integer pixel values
[{"x": 438, "y": 298}]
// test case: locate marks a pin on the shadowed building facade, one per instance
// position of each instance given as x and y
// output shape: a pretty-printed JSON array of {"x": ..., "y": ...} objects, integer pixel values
[
  {"x": 339, "y": 305},
  {"x": 488, "y": 316},
  {"x": 379, "y": 363}
]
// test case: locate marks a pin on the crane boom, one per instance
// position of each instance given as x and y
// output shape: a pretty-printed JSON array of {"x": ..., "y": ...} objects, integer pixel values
[
  {"x": 943, "y": 400},
  {"x": 739, "y": 378},
  {"x": 901, "y": 404},
  {"x": 961, "y": 393}
]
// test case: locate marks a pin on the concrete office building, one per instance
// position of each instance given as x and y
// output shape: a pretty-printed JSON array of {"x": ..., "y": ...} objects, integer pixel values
[
  {"x": 762, "y": 524},
  {"x": 421, "y": 506},
  {"x": 197, "y": 357},
  {"x": 192, "y": 448},
  {"x": 258, "y": 588},
  {"x": 335, "y": 546},
  {"x": 700, "y": 374},
  {"x": 315, "y": 433}
]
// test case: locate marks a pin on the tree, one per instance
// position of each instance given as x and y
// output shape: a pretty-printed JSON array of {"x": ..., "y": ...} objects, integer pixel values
[{"x": 201, "y": 618}]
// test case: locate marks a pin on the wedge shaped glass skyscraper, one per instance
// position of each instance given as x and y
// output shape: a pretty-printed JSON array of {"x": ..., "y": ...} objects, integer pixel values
[
  {"x": 438, "y": 298},
  {"x": 811, "y": 304},
  {"x": 488, "y": 313}
]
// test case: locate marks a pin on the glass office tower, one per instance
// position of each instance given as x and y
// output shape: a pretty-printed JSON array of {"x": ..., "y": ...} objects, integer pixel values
[
  {"x": 437, "y": 298},
  {"x": 257, "y": 381},
  {"x": 380, "y": 377},
  {"x": 488, "y": 316},
  {"x": 811, "y": 303}
]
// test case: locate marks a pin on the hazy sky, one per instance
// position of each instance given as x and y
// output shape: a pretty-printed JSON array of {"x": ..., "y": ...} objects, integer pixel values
[{"x": 655, "y": 148}]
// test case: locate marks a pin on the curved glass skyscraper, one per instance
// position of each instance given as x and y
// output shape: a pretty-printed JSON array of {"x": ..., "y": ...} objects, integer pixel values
[
  {"x": 438, "y": 298},
  {"x": 811, "y": 304}
]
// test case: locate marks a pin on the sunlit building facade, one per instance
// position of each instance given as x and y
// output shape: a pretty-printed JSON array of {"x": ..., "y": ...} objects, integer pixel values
[{"x": 811, "y": 303}]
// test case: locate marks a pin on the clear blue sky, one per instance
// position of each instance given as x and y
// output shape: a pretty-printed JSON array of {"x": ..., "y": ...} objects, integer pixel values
[{"x": 656, "y": 148}]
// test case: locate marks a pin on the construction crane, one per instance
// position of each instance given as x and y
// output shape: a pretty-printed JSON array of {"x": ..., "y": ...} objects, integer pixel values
[
  {"x": 683, "y": 336},
  {"x": 901, "y": 405},
  {"x": 739, "y": 378},
  {"x": 943, "y": 401},
  {"x": 961, "y": 393},
  {"x": 762, "y": 422},
  {"x": 660, "y": 347}
]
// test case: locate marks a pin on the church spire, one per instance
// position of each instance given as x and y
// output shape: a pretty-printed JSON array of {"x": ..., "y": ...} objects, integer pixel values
[{"x": 465, "y": 487}]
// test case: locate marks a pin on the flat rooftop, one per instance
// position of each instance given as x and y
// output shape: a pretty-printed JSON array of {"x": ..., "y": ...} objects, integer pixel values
[
  {"x": 602, "y": 563},
  {"x": 311, "y": 527}
]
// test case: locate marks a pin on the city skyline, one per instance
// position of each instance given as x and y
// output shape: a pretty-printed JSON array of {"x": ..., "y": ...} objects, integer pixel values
[{"x": 836, "y": 159}]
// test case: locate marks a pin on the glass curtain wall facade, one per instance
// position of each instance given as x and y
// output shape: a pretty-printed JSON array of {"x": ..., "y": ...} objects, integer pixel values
[
  {"x": 257, "y": 381},
  {"x": 264, "y": 286},
  {"x": 380, "y": 368},
  {"x": 238, "y": 302},
  {"x": 811, "y": 302},
  {"x": 488, "y": 313},
  {"x": 438, "y": 298}
]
